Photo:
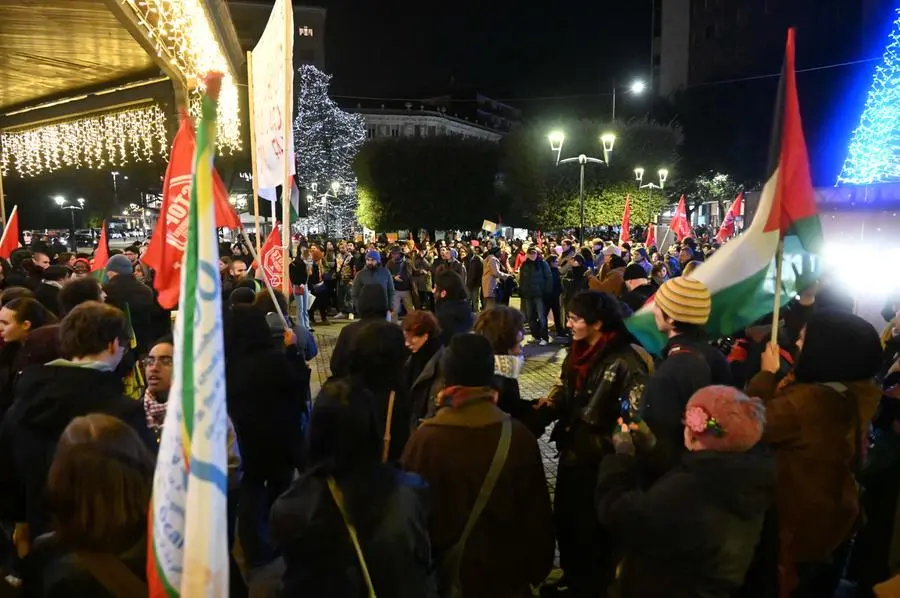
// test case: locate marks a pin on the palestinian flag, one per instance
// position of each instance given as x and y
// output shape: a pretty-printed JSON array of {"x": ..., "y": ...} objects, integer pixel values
[
  {"x": 188, "y": 537},
  {"x": 741, "y": 275}
]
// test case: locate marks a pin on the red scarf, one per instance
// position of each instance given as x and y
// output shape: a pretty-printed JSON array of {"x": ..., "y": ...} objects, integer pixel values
[
  {"x": 456, "y": 397},
  {"x": 582, "y": 357}
]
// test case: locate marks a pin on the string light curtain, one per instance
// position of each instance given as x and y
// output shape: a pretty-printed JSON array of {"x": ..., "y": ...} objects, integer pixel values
[
  {"x": 874, "y": 154},
  {"x": 327, "y": 141},
  {"x": 101, "y": 141},
  {"x": 184, "y": 36}
]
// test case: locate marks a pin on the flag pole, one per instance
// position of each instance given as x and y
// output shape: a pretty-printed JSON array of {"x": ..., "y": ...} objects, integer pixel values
[
  {"x": 288, "y": 143},
  {"x": 3, "y": 205},
  {"x": 776, "y": 310},
  {"x": 255, "y": 181},
  {"x": 265, "y": 278}
]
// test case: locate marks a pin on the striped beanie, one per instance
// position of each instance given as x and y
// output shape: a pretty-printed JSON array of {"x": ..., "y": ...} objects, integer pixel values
[{"x": 684, "y": 300}]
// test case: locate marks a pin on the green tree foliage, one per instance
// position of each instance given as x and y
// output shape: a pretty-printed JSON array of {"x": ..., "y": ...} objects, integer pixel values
[
  {"x": 541, "y": 194},
  {"x": 442, "y": 182},
  {"x": 709, "y": 186}
]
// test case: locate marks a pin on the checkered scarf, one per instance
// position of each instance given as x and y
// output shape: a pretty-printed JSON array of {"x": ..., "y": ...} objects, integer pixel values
[{"x": 155, "y": 412}]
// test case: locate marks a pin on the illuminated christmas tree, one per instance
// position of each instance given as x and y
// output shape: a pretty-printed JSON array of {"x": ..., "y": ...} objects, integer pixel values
[
  {"x": 326, "y": 140},
  {"x": 874, "y": 155}
]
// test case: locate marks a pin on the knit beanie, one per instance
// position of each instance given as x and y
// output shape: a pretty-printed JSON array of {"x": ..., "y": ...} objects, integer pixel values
[
  {"x": 634, "y": 272},
  {"x": 120, "y": 265},
  {"x": 685, "y": 300},
  {"x": 373, "y": 255},
  {"x": 468, "y": 361},
  {"x": 723, "y": 419}
]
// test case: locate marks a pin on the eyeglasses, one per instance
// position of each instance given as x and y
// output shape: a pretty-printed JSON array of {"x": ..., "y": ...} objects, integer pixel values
[{"x": 164, "y": 361}]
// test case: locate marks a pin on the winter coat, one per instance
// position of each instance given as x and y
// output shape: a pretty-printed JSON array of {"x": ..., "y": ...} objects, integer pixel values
[
  {"x": 474, "y": 272},
  {"x": 320, "y": 560},
  {"x": 535, "y": 279},
  {"x": 512, "y": 544},
  {"x": 298, "y": 273},
  {"x": 690, "y": 364},
  {"x": 266, "y": 398},
  {"x": 340, "y": 355},
  {"x": 691, "y": 534},
  {"x": 379, "y": 276},
  {"x": 48, "y": 296},
  {"x": 490, "y": 279},
  {"x": 424, "y": 388},
  {"x": 128, "y": 293},
  {"x": 402, "y": 270},
  {"x": 421, "y": 275},
  {"x": 48, "y": 398},
  {"x": 55, "y": 572},
  {"x": 454, "y": 317},
  {"x": 811, "y": 427},
  {"x": 440, "y": 265},
  {"x": 613, "y": 283},
  {"x": 556, "y": 289},
  {"x": 638, "y": 296}
]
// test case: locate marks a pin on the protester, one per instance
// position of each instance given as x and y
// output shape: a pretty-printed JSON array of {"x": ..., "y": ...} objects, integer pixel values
[
  {"x": 535, "y": 283},
  {"x": 77, "y": 291},
  {"x": 98, "y": 496},
  {"x": 372, "y": 306},
  {"x": 471, "y": 444},
  {"x": 373, "y": 273},
  {"x": 346, "y": 495},
  {"x": 692, "y": 533},
  {"x": 134, "y": 298},
  {"x": 18, "y": 319},
  {"x": 453, "y": 313}
]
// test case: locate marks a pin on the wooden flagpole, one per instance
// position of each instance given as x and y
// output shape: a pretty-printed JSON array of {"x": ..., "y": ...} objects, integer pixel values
[
  {"x": 776, "y": 310},
  {"x": 253, "y": 173},
  {"x": 286, "y": 127}
]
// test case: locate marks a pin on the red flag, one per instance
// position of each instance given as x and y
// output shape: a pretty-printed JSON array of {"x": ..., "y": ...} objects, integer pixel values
[
  {"x": 651, "y": 236},
  {"x": 101, "y": 254},
  {"x": 625, "y": 233},
  {"x": 170, "y": 235},
  {"x": 9, "y": 242},
  {"x": 680, "y": 225},
  {"x": 726, "y": 231},
  {"x": 271, "y": 255}
]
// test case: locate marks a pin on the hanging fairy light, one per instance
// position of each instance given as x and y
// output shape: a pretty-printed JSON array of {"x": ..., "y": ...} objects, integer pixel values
[
  {"x": 99, "y": 141},
  {"x": 184, "y": 36}
]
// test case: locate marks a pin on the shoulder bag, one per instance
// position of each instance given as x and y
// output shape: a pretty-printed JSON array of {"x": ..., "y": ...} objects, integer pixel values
[
  {"x": 338, "y": 497},
  {"x": 448, "y": 572}
]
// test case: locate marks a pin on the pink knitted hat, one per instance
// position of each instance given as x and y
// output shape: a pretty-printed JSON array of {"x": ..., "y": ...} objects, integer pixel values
[{"x": 724, "y": 419}]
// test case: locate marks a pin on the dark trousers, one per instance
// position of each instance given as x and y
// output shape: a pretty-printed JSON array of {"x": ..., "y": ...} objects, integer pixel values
[
  {"x": 475, "y": 298},
  {"x": 586, "y": 549},
  {"x": 536, "y": 316},
  {"x": 425, "y": 300},
  {"x": 551, "y": 305},
  {"x": 236, "y": 585},
  {"x": 323, "y": 302},
  {"x": 257, "y": 494}
]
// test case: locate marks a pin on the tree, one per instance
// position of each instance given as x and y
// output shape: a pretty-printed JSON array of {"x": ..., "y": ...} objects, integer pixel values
[
  {"x": 327, "y": 140},
  {"x": 873, "y": 155},
  {"x": 541, "y": 194},
  {"x": 709, "y": 186},
  {"x": 444, "y": 182}
]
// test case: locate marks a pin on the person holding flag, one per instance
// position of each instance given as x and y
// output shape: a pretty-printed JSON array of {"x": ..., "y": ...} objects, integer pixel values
[{"x": 726, "y": 231}]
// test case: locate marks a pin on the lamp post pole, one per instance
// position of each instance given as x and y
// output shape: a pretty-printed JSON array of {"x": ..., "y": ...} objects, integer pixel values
[
  {"x": 556, "y": 142},
  {"x": 639, "y": 177}
]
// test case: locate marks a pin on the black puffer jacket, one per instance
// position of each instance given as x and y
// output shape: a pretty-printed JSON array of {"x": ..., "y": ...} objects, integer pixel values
[
  {"x": 691, "y": 534},
  {"x": 321, "y": 562},
  {"x": 454, "y": 317}
]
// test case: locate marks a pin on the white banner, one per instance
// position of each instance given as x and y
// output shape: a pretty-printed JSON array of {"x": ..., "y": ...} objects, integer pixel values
[{"x": 274, "y": 130}]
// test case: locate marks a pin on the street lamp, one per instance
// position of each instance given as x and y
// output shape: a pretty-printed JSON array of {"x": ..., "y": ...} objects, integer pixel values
[
  {"x": 62, "y": 203},
  {"x": 557, "y": 139},
  {"x": 663, "y": 175},
  {"x": 637, "y": 87}
]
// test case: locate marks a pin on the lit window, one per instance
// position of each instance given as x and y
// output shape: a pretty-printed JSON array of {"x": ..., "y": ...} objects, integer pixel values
[{"x": 305, "y": 31}]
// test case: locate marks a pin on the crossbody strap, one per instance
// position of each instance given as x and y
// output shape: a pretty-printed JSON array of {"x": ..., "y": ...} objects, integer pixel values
[
  {"x": 113, "y": 575},
  {"x": 338, "y": 497},
  {"x": 487, "y": 488},
  {"x": 853, "y": 407}
]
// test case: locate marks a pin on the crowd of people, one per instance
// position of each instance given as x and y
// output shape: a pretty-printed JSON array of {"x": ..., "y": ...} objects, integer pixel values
[{"x": 765, "y": 464}]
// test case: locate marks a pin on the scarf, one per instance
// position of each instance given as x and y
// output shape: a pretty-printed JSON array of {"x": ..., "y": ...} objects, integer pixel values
[
  {"x": 582, "y": 357},
  {"x": 457, "y": 397},
  {"x": 155, "y": 412},
  {"x": 509, "y": 366}
]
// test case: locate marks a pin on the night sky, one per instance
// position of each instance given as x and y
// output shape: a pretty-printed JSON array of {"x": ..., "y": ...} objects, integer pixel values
[{"x": 503, "y": 48}]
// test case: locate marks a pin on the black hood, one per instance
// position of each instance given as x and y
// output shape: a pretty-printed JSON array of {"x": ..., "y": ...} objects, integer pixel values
[
  {"x": 54, "y": 395},
  {"x": 742, "y": 483},
  {"x": 838, "y": 347}
]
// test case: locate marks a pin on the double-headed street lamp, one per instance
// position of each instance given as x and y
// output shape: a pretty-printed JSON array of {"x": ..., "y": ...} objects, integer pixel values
[
  {"x": 557, "y": 138},
  {"x": 62, "y": 203},
  {"x": 639, "y": 177}
]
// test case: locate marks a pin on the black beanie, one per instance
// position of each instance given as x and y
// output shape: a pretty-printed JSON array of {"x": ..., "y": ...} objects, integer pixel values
[{"x": 468, "y": 361}]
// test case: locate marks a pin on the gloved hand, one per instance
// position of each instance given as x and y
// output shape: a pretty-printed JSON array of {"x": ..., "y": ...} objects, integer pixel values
[
  {"x": 642, "y": 435},
  {"x": 621, "y": 439}
]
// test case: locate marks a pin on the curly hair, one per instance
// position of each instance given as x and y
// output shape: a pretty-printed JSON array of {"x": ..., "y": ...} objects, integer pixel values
[{"x": 501, "y": 326}]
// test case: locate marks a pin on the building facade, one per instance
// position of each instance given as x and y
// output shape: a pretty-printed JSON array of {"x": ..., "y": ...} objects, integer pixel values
[
  {"x": 704, "y": 41},
  {"x": 422, "y": 121},
  {"x": 250, "y": 19}
]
